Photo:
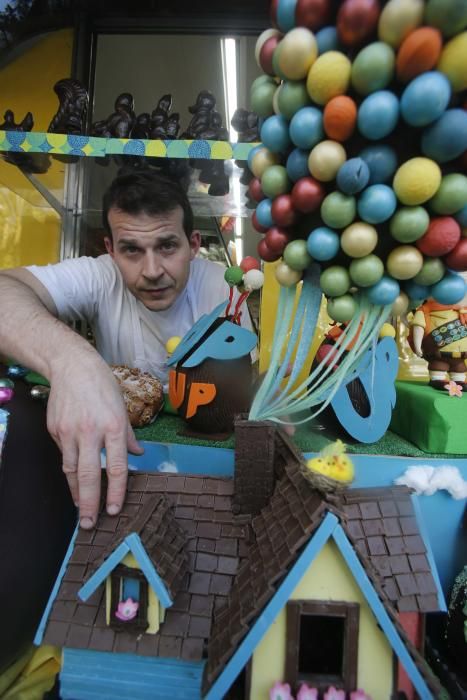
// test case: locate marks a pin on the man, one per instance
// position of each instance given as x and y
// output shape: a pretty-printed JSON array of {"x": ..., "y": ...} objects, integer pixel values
[{"x": 148, "y": 288}]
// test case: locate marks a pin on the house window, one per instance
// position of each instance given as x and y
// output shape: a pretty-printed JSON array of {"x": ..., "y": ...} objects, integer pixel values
[
  {"x": 322, "y": 644},
  {"x": 128, "y": 599}
]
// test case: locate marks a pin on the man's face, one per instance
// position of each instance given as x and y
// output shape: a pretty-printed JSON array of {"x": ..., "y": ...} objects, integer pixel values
[{"x": 153, "y": 254}]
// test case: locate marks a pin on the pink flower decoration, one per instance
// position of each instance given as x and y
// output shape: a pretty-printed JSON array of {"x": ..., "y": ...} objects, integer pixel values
[
  {"x": 334, "y": 694},
  {"x": 280, "y": 691},
  {"x": 359, "y": 695},
  {"x": 307, "y": 693},
  {"x": 453, "y": 388},
  {"x": 127, "y": 610}
]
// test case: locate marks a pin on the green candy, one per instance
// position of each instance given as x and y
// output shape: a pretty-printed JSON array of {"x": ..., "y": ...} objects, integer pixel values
[
  {"x": 451, "y": 196},
  {"x": 338, "y": 210},
  {"x": 292, "y": 96},
  {"x": 6, "y": 383},
  {"x": 335, "y": 281},
  {"x": 275, "y": 181},
  {"x": 366, "y": 271},
  {"x": 296, "y": 255},
  {"x": 342, "y": 308},
  {"x": 432, "y": 271},
  {"x": 409, "y": 224},
  {"x": 261, "y": 98},
  {"x": 233, "y": 275},
  {"x": 373, "y": 68}
]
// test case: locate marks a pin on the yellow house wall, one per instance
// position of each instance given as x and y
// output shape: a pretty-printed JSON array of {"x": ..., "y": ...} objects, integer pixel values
[
  {"x": 154, "y": 607},
  {"x": 328, "y": 578},
  {"x": 30, "y": 227}
]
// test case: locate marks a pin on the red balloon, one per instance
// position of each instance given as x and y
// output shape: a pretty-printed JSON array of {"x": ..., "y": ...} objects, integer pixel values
[
  {"x": 307, "y": 195},
  {"x": 283, "y": 211},
  {"x": 266, "y": 254},
  {"x": 457, "y": 258},
  {"x": 276, "y": 239},
  {"x": 312, "y": 14},
  {"x": 255, "y": 191},
  {"x": 256, "y": 225},
  {"x": 266, "y": 53},
  {"x": 441, "y": 237},
  {"x": 356, "y": 20},
  {"x": 249, "y": 263}
]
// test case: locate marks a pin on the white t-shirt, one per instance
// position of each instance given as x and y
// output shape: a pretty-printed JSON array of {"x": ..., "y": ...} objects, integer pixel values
[{"x": 126, "y": 332}]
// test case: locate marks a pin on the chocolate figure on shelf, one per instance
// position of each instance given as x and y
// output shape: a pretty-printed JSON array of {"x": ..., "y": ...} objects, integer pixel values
[
  {"x": 71, "y": 114},
  {"x": 141, "y": 128},
  {"x": 246, "y": 125},
  {"x": 160, "y": 117},
  {"x": 121, "y": 122},
  {"x": 29, "y": 162}
]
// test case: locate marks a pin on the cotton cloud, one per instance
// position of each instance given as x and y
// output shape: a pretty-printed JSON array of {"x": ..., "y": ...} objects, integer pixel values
[{"x": 426, "y": 480}]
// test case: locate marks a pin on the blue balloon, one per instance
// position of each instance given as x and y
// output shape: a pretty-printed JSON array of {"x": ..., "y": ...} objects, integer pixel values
[
  {"x": 377, "y": 204},
  {"x": 416, "y": 291},
  {"x": 323, "y": 243},
  {"x": 263, "y": 213},
  {"x": 286, "y": 14},
  {"x": 378, "y": 115},
  {"x": 353, "y": 176},
  {"x": 384, "y": 292},
  {"x": 327, "y": 39},
  {"x": 446, "y": 139},
  {"x": 425, "y": 98},
  {"x": 449, "y": 290},
  {"x": 382, "y": 162},
  {"x": 297, "y": 164},
  {"x": 275, "y": 133},
  {"x": 461, "y": 216},
  {"x": 306, "y": 127}
]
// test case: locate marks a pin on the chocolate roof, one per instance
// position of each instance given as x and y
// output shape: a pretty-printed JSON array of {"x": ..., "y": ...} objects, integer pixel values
[{"x": 202, "y": 511}]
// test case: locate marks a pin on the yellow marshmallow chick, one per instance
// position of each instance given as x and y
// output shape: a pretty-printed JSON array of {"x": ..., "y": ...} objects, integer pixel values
[{"x": 333, "y": 463}]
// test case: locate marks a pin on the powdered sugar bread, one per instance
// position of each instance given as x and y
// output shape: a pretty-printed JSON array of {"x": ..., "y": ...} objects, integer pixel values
[{"x": 143, "y": 394}]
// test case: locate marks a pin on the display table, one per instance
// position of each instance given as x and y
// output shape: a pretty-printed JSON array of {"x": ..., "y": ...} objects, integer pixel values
[{"x": 431, "y": 419}]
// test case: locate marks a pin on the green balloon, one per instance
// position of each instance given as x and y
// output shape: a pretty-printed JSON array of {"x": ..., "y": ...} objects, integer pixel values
[
  {"x": 275, "y": 181},
  {"x": 451, "y": 196},
  {"x": 335, "y": 281},
  {"x": 409, "y": 224},
  {"x": 373, "y": 68},
  {"x": 261, "y": 98},
  {"x": 366, "y": 271},
  {"x": 338, "y": 210},
  {"x": 342, "y": 308},
  {"x": 296, "y": 255},
  {"x": 450, "y": 16},
  {"x": 275, "y": 63},
  {"x": 233, "y": 275},
  {"x": 261, "y": 80},
  {"x": 292, "y": 97},
  {"x": 432, "y": 271}
]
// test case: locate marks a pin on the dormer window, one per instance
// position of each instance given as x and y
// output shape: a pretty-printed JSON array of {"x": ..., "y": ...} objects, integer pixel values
[{"x": 128, "y": 599}]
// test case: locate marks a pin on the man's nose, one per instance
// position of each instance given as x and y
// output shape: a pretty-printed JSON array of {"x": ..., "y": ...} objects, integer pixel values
[{"x": 152, "y": 268}]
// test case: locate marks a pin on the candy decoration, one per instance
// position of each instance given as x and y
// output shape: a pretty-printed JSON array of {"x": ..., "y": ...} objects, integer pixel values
[
  {"x": 419, "y": 52},
  {"x": 416, "y": 181},
  {"x": 325, "y": 160},
  {"x": 249, "y": 263},
  {"x": 328, "y": 77},
  {"x": 442, "y": 235},
  {"x": 6, "y": 394},
  {"x": 340, "y": 118}
]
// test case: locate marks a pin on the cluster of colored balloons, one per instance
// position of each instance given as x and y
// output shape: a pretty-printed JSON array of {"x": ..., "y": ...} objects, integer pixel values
[
  {"x": 364, "y": 148},
  {"x": 246, "y": 277}
]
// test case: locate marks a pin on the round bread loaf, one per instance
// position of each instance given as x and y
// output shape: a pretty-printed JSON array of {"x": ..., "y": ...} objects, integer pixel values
[{"x": 143, "y": 394}]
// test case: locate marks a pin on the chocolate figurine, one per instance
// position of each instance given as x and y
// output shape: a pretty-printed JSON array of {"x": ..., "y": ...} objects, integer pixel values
[
  {"x": 121, "y": 122},
  {"x": 71, "y": 114},
  {"x": 29, "y": 162},
  {"x": 246, "y": 125}
]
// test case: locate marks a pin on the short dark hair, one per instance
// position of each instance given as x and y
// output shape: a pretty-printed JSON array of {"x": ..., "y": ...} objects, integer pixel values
[{"x": 146, "y": 192}]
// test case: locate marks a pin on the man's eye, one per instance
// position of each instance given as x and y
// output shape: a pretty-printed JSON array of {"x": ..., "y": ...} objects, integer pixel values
[
  {"x": 170, "y": 245},
  {"x": 131, "y": 249}
]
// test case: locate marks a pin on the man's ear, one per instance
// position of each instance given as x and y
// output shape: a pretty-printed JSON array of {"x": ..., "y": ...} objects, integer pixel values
[
  {"x": 109, "y": 246},
  {"x": 195, "y": 244}
]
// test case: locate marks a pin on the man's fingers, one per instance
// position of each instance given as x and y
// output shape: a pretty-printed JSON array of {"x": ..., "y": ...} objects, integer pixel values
[
  {"x": 117, "y": 472},
  {"x": 70, "y": 469},
  {"x": 89, "y": 483},
  {"x": 133, "y": 445}
]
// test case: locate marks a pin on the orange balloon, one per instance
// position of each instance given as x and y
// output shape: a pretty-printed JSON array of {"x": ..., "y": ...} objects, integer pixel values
[
  {"x": 340, "y": 117},
  {"x": 418, "y": 53}
]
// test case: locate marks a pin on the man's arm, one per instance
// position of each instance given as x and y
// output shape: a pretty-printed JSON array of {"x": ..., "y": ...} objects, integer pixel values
[{"x": 85, "y": 411}]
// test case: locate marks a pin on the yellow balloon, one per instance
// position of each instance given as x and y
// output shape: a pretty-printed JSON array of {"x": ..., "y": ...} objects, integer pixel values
[
  {"x": 172, "y": 344},
  {"x": 325, "y": 160},
  {"x": 398, "y": 19},
  {"x": 404, "y": 262},
  {"x": 262, "y": 160},
  {"x": 359, "y": 239},
  {"x": 267, "y": 34},
  {"x": 416, "y": 181},
  {"x": 298, "y": 53},
  {"x": 286, "y": 276},
  {"x": 453, "y": 62},
  {"x": 400, "y": 305},
  {"x": 387, "y": 331},
  {"x": 328, "y": 77}
]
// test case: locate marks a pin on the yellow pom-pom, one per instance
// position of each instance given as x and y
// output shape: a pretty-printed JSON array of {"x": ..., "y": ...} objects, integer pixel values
[
  {"x": 172, "y": 344},
  {"x": 333, "y": 463},
  {"x": 328, "y": 77},
  {"x": 417, "y": 181},
  {"x": 387, "y": 331}
]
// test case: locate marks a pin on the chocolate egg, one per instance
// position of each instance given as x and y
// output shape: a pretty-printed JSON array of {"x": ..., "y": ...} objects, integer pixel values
[
  {"x": 263, "y": 37},
  {"x": 419, "y": 52},
  {"x": 373, "y": 68},
  {"x": 442, "y": 236},
  {"x": 325, "y": 160},
  {"x": 359, "y": 239},
  {"x": 307, "y": 195},
  {"x": 451, "y": 196},
  {"x": 378, "y": 115},
  {"x": 342, "y": 309},
  {"x": 446, "y": 139},
  {"x": 457, "y": 258},
  {"x": 366, "y": 271},
  {"x": 283, "y": 211},
  {"x": 340, "y": 118},
  {"x": 416, "y": 181},
  {"x": 261, "y": 97},
  {"x": 450, "y": 16},
  {"x": 265, "y": 253},
  {"x": 328, "y": 76},
  {"x": 291, "y": 97},
  {"x": 335, "y": 281},
  {"x": 297, "y": 54},
  {"x": 453, "y": 62},
  {"x": 276, "y": 239},
  {"x": 398, "y": 19},
  {"x": 356, "y": 20},
  {"x": 286, "y": 276},
  {"x": 425, "y": 98},
  {"x": 312, "y": 14},
  {"x": 296, "y": 255},
  {"x": 404, "y": 262},
  {"x": 449, "y": 290},
  {"x": 432, "y": 271}
]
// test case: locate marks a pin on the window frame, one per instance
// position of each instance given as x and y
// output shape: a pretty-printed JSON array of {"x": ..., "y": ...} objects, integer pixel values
[{"x": 140, "y": 623}]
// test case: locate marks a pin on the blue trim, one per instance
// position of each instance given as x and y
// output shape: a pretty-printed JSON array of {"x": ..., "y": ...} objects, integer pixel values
[
  {"x": 429, "y": 552},
  {"x": 103, "y": 571},
  {"x": 380, "y": 613},
  {"x": 147, "y": 567},
  {"x": 45, "y": 616},
  {"x": 272, "y": 609}
]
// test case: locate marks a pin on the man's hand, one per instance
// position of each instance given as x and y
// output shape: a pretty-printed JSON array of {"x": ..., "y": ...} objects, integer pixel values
[{"x": 85, "y": 413}]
